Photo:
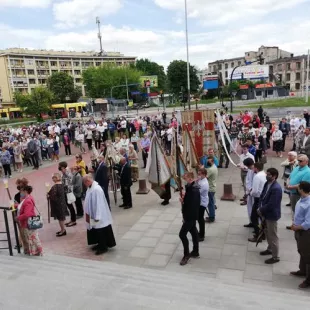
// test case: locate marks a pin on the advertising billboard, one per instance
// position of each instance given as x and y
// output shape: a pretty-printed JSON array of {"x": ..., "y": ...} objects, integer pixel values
[
  {"x": 250, "y": 72},
  {"x": 149, "y": 81},
  {"x": 210, "y": 82}
]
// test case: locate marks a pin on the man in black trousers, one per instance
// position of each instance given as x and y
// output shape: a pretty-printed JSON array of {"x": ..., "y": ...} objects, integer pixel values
[
  {"x": 102, "y": 178},
  {"x": 190, "y": 210},
  {"x": 126, "y": 183}
]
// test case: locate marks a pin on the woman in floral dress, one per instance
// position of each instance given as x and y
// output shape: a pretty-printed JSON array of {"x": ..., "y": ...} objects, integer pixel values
[{"x": 30, "y": 238}]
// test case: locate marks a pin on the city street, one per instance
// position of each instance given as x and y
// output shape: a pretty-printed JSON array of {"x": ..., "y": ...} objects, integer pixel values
[{"x": 147, "y": 234}]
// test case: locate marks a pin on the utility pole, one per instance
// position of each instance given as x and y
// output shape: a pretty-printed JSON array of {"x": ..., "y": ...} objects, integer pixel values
[
  {"x": 99, "y": 35},
  {"x": 187, "y": 52},
  {"x": 303, "y": 78},
  {"x": 307, "y": 78}
]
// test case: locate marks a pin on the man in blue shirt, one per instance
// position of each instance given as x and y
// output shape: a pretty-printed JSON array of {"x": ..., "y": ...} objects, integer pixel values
[
  {"x": 204, "y": 159},
  {"x": 299, "y": 174},
  {"x": 301, "y": 227}
]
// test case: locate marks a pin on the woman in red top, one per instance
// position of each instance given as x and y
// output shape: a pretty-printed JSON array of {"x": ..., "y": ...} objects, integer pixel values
[{"x": 31, "y": 242}]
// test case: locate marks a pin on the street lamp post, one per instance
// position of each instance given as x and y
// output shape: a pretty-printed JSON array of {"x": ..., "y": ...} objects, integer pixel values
[
  {"x": 230, "y": 86},
  {"x": 187, "y": 53}
]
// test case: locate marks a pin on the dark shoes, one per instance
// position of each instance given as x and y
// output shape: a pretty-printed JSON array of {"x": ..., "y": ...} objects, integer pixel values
[
  {"x": 70, "y": 224},
  {"x": 297, "y": 273},
  {"x": 60, "y": 234},
  {"x": 164, "y": 203},
  {"x": 185, "y": 260},
  {"x": 121, "y": 206},
  {"x": 194, "y": 254},
  {"x": 288, "y": 204},
  {"x": 289, "y": 227},
  {"x": 127, "y": 207},
  {"x": 99, "y": 252},
  {"x": 250, "y": 225},
  {"x": 272, "y": 260},
  {"x": 201, "y": 239},
  {"x": 266, "y": 252},
  {"x": 209, "y": 220},
  {"x": 304, "y": 285},
  {"x": 243, "y": 203}
]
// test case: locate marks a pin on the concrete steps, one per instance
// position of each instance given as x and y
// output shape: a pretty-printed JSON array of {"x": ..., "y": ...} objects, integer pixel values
[{"x": 56, "y": 282}]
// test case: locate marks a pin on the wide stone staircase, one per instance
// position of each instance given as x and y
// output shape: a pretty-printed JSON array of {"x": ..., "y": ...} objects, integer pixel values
[{"x": 58, "y": 282}]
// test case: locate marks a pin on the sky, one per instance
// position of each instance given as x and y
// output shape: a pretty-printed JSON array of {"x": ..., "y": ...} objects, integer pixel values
[{"x": 155, "y": 29}]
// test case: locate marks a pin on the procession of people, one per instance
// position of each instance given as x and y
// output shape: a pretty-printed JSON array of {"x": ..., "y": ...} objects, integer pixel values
[{"x": 120, "y": 148}]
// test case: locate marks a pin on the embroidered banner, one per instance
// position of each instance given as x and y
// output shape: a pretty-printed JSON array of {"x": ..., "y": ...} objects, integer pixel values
[{"x": 200, "y": 125}]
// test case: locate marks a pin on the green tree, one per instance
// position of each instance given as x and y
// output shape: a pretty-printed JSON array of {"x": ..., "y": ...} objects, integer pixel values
[
  {"x": 100, "y": 80},
  {"x": 177, "y": 77},
  {"x": 39, "y": 101},
  {"x": 62, "y": 85},
  {"x": 152, "y": 68}
]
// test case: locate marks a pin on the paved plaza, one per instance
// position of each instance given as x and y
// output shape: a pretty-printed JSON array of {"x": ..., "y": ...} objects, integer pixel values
[{"x": 147, "y": 234}]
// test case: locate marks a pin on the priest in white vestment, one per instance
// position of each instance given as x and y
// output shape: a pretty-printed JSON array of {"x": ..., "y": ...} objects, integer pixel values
[{"x": 98, "y": 217}]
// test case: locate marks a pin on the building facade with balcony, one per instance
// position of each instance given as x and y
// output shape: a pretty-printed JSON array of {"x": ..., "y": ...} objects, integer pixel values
[
  {"x": 23, "y": 70},
  {"x": 268, "y": 53}
]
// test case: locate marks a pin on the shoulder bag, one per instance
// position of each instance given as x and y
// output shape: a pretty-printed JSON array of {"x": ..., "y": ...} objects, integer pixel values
[{"x": 35, "y": 222}]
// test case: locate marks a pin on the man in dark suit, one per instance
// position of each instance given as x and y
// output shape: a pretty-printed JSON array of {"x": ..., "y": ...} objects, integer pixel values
[
  {"x": 126, "y": 183},
  {"x": 270, "y": 210},
  {"x": 102, "y": 178}
]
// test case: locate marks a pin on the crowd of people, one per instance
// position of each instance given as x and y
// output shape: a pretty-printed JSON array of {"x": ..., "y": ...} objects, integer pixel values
[{"x": 252, "y": 133}]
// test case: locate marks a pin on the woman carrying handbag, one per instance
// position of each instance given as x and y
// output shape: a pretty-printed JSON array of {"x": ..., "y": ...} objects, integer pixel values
[{"x": 29, "y": 233}]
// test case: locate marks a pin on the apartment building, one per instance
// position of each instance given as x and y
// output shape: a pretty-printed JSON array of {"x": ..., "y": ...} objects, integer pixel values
[
  {"x": 289, "y": 71},
  {"x": 268, "y": 53},
  {"x": 23, "y": 69}
]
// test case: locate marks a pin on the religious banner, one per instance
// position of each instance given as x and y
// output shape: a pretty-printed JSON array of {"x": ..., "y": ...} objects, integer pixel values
[{"x": 200, "y": 125}]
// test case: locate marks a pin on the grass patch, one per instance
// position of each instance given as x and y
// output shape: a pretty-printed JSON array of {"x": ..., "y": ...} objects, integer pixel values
[
  {"x": 16, "y": 121},
  {"x": 281, "y": 103}
]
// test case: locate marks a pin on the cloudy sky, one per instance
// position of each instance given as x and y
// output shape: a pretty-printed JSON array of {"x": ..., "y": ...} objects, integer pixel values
[{"x": 155, "y": 28}]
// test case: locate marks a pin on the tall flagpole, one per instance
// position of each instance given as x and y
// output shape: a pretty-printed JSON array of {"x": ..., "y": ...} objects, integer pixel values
[
  {"x": 187, "y": 52},
  {"x": 303, "y": 78},
  {"x": 307, "y": 78}
]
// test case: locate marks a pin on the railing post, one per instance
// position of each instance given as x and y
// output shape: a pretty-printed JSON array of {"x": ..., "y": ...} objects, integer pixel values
[
  {"x": 16, "y": 233},
  {"x": 7, "y": 227}
]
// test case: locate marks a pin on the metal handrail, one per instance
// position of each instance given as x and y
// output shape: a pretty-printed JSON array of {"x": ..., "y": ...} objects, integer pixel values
[{"x": 7, "y": 231}]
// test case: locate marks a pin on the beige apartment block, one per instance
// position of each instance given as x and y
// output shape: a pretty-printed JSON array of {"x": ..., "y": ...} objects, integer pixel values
[{"x": 24, "y": 69}]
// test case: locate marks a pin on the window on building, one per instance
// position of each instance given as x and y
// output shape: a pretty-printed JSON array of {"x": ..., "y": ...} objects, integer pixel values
[
  {"x": 270, "y": 92},
  {"x": 98, "y": 64},
  {"x": 220, "y": 66},
  {"x": 288, "y": 76},
  {"x": 30, "y": 72},
  {"x": 54, "y": 63},
  {"x": 239, "y": 63},
  {"x": 279, "y": 67},
  {"x": 226, "y": 66},
  {"x": 32, "y": 81},
  {"x": 298, "y": 65},
  {"x": 297, "y": 86},
  {"x": 232, "y": 64},
  {"x": 288, "y": 66},
  {"x": 214, "y": 68},
  {"x": 226, "y": 74},
  {"x": 77, "y": 72},
  {"x": 76, "y": 63},
  {"x": 288, "y": 85},
  {"x": 54, "y": 71},
  {"x": 258, "y": 93},
  {"x": 226, "y": 82},
  {"x": 297, "y": 75},
  {"x": 78, "y": 80}
]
